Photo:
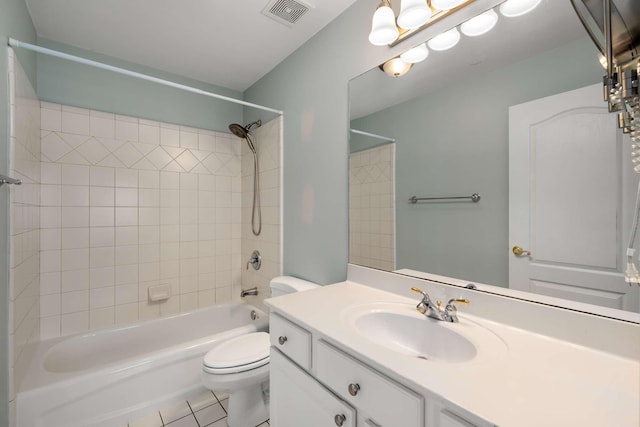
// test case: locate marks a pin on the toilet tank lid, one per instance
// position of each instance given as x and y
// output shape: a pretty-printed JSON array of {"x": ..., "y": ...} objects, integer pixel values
[{"x": 291, "y": 284}]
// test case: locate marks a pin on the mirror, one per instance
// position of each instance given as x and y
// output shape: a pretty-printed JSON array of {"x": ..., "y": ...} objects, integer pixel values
[{"x": 448, "y": 128}]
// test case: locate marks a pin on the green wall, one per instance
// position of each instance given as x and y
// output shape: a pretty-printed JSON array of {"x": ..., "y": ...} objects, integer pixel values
[
  {"x": 455, "y": 141},
  {"x": 69, "y": 83},
  {"x": 14, "y": 22},
  {"x": 311, "y": 86}
]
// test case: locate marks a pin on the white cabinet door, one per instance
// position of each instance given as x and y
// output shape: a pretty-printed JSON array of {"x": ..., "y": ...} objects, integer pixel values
[
  {"x": 570, "y": 189},
  {"x": 299, "y": 400}
]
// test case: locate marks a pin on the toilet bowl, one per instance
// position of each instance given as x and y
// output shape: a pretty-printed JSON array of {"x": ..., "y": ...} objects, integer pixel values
[{"x": 240, "y": 366}]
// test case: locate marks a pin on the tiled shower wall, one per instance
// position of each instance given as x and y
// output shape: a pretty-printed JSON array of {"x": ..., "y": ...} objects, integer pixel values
[
  {"x": 371, "y": 207},
  {"x": 267, "y": 140},
  {"x": 127, "y": 204},
  {"x": 24, "y": 243}
]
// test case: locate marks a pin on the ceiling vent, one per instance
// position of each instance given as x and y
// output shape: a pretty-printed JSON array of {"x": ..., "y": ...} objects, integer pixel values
[{"x": 287, "y": 12}]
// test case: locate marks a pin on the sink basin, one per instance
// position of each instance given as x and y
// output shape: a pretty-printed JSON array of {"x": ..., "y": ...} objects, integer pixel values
[
  {"x": 400, "y": 328},
  {"x": 413, "y": 336}
]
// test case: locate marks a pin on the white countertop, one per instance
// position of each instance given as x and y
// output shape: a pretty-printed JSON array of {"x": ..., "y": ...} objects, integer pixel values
[{"x": 539, "y": 380}]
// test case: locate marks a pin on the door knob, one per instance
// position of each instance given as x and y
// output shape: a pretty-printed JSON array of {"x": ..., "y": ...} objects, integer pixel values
[
  {"x": 339, "y": 419},
  {"x": 518, "y": 251}
]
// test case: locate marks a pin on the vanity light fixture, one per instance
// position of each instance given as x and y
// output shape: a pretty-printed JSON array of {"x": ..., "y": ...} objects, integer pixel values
[
  {"x": 446, "y": 40},
  {"x": 446, "y": 4},
  {"x": 396, "y": 67},
  {"x": 383, "y": 26},
  {"x": 413, "y": 14},
  {"x": 479, "y": 25},
  {"x": 513, "y": 8},
  {"x": 415, "y": 55}
]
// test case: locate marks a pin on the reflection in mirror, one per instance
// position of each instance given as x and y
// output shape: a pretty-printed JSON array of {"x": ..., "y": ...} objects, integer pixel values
[{"x": 529, "y": 91}]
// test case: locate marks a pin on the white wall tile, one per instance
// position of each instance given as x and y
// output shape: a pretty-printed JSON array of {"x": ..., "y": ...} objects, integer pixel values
[
  {"x": 75, "y": 195},
  {"x": 72, "y": 302},
  {"x": 102, "y": 196},
  {"x": 101, "y": 176},
  {"x": 74, "y": 323},
  {"x": 75, "y": 123},
  {"x": 126, "y": 216},
  {"x": 149, "y": 179},
  {"x": 126, "y": 178},
  {"x": 75, "y": 238},
  {"x": 74, "y": 259},
  {"x": 134, "y": 228},
  {"x": 49, "y": 283},
  {"x": 102, "y": 127},
  {"x": 49, "y": 327},
  {"x": 102, "y": 217},
  {"x": 51, "y": 119},
  {"x": 102, "y": 257},
  {"x": 126, "y": 197},
  {"x": 50, "y": 239},
  {"x": 101, "y": 297},
  {"x": 74, "y": 174},
  {"x": 75, "y": 217},
  {"x": 127, "y": 235}
]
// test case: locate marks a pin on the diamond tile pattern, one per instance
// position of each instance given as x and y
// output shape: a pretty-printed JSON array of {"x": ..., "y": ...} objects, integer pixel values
[{"x": 109, "y": 152}]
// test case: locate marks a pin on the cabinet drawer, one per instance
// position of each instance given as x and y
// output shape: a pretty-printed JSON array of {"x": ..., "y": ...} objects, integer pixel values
[
  {"x": 388, "y": 403},
  {"x": 291, "y": 339}
]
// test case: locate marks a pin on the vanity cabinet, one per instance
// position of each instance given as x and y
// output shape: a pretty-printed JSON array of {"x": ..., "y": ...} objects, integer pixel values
[
  {"x": 299, "y": 400},
  {"x": 338, "y": 389}
]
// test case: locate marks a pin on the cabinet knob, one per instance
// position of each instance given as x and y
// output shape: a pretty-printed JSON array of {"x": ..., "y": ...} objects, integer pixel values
[
  {"x": 339, "y": 419},
  {"x": 354, "y": 389},
  {"x": 282, "y": 340}
]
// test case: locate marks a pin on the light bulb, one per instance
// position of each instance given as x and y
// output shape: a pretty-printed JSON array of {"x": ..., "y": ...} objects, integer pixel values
[
  {"x": 480, "y": 24},
  {"x": 396, "y": 67},
  {"x": 446, "y": 4},
  {"x": 413, "y": 14},
  {"x": 415, "y": 55},
  {"x": 383, "y": 26},
  {"x": 445, "y": 40},
  {"x": 513, "y": 8}
]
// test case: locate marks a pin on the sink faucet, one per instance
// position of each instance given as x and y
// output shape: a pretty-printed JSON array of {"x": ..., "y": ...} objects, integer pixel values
[{"x": 429, "y": 309}]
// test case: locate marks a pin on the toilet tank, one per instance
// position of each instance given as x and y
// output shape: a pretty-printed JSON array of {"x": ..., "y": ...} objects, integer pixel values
[{"x": 283, "y": 285}]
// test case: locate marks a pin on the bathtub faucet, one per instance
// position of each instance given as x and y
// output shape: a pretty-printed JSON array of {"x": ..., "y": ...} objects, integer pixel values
[{"x": 250, "y": 291}]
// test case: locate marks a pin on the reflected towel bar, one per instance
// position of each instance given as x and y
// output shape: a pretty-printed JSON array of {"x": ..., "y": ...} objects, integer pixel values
[
  {"x": 6, "y": 180},
  {"x": 475, "y": 198}
]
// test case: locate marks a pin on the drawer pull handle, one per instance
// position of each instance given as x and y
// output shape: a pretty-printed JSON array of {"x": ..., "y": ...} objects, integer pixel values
[
  {"x": 282, "y": 340},
  {"x": 339, "y": 419},
  {"x": 354, "y": 389}
]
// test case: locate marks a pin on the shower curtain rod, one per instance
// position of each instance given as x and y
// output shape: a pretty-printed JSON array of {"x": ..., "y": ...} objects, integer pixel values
[
  {"x": 80, "y": 60},
  {"x": 372, "y": 135}
]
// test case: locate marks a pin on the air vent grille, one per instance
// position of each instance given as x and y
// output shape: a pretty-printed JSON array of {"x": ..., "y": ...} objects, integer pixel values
[{"x": 286, "y": 11}]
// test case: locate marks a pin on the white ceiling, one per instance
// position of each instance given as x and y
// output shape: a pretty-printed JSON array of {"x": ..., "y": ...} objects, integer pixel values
[{"x": 229, "y": 43}]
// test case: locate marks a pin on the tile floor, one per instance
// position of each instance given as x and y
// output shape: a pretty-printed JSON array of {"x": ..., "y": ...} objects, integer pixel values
[{"x": 206, "y": 409}]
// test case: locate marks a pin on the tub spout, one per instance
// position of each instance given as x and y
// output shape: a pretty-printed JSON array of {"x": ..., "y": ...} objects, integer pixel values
[{"x": 251, "y": 291}]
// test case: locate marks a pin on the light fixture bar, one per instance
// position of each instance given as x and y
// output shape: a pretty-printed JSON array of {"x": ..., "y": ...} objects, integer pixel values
[{"x": 437, "y": 16}]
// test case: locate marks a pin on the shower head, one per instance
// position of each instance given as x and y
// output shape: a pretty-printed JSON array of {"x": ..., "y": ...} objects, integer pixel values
[{"x": 242, "y": 131}]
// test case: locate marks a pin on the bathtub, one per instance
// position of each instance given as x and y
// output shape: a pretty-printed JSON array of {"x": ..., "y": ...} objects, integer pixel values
[{"x": 107, "y": 377}]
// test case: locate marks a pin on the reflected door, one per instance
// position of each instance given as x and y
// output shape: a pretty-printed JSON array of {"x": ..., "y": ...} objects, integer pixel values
[{"x": 571, "y": 195}]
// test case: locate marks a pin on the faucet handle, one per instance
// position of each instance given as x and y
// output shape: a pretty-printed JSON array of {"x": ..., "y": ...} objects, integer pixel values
[
  {"x": 454, "y": 301},
  {"x": 419, "y": 291}
]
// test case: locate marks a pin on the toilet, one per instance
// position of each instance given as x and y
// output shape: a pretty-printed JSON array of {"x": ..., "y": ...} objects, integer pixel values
[{"x": 240, "y": 366}]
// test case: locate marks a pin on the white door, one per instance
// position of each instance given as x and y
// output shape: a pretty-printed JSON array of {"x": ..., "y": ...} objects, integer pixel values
[{"x": 571, "y": 197}]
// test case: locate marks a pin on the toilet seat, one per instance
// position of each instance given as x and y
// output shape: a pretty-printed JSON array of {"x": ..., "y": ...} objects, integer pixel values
[{"x": 239, "y": 354}]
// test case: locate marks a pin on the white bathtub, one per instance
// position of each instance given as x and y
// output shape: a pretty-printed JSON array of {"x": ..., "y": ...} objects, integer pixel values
[{"x": 107, "y": 377}]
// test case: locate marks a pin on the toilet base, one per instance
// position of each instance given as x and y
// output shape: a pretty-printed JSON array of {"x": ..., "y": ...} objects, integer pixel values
[{"x": 249, "y": 407}]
